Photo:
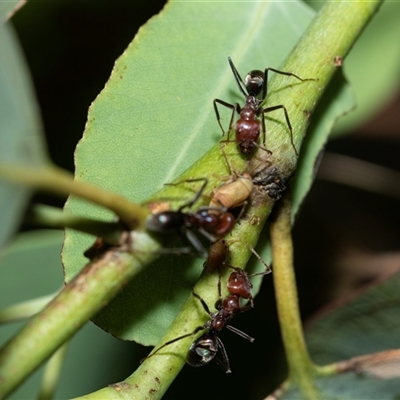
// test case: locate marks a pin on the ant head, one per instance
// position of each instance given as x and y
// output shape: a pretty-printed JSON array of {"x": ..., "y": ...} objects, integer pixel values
[
  {"x": 165, "y": 221},
  {"x": 254, "y": 82}
]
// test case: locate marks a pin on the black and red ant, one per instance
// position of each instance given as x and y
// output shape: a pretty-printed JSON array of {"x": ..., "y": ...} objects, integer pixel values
[
  {"x": 206, "y": 347},
  {"x": 210, "y": 222},
  {"x": 254, "y": 89}
]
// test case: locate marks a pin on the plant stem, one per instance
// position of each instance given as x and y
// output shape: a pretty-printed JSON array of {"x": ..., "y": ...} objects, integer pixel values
[
  {"x": 300, "y": 364},
  {"x": 61, "y": 182},
  {"x": 81, "y": 298},
  {"x": 25, "y": 309},
  {"x": 53, "y": 217},
  {"x": 52, "y": 374}
]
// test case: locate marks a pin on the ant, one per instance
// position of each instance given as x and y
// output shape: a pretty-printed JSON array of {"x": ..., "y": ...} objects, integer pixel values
[
  {"x": 254, "y": 89},
  {"x": 210, "y": 222},
  {"x": 206, "y": 347}
]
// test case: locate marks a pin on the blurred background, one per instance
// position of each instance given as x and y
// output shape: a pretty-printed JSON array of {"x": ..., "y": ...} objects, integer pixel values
[{"x": 344, "y": 237}]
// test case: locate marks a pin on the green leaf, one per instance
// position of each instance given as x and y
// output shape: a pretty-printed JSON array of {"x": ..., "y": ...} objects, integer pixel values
[
  {"x": 8, "y": 8},
  {"x": 373, "y": 67},
  {"x": 351, "y": 386},
  {"x": 369, "y": 324},
  {"x": 359, "y": 336},
  {"x": 24, "y": 264},
  {"x": 30, "y": 267},
  {"x": 155, "y": 117},
  {"x": 337, "y": 101},
  {"x": 20, "y": 129}
]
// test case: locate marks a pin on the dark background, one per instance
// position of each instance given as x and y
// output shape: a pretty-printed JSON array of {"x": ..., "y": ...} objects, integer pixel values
[{"x": 71, "y": 48}]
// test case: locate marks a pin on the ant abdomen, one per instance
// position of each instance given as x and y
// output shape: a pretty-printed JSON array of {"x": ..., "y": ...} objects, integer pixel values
[{"x": 203, "y": 350}]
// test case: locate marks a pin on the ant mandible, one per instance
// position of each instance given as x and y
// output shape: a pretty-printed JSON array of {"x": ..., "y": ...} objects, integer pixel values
[
  {"x": 254, "y": 89},
  {"x": 210, "y": 224}
]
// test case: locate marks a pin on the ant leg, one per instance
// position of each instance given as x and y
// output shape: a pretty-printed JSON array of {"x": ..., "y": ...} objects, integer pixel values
[
  {"x": 212, "y": 239},
  {"x": 194, "y": 240},
  {"x": 268, "y": 268},
  {"x": 225, "y": 158},
  {"x": 244, "y": 205},
  {"x": 196, "y": 197},
  {"x": 277, "y": 71},
  {"x": 239, "y": 332},
  {"x": 270, "y": 109},
  {"x": 224, "y": 363},
  {"x": 238, "y": 78},
  {"x": 262, "y": 148},
  {"x": 235, "y": 109},
  {"x": 203, "y": 303},
  {"x": 219, "y": 283},
  {"x": 263, "y": 129},
  {"x": 225, "y": 104},
  {"x": 198, "y": 329}
]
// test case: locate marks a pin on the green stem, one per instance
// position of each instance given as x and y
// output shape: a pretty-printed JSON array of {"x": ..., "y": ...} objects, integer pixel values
[
  {"x": 52, "y": 373},
  {"x": 53, "y": 217},
  {"x": 300, "y": 365},
  {"x": 83, "y": 297},
  {"x": 61, "y": 182},
  {"x": 25, "y": 309}
]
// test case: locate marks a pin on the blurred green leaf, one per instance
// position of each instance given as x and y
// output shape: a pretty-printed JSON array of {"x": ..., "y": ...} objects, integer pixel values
[
  {"x": 337, "y": 100},
  {"x": 8, "y": 8},
  {"x": 369, "y": 324},
  {"x": 373, "y": 67},
  {"x": 20, "y": 129},
  {"x": 351, "y": 386},
  {"x": 30, "y": 267},
  {"x": 366, "y": 324}
]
